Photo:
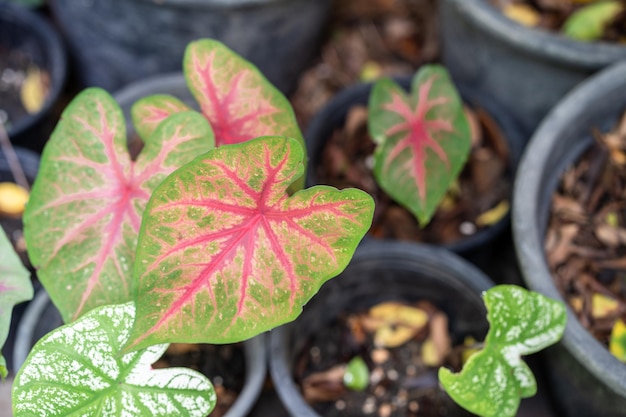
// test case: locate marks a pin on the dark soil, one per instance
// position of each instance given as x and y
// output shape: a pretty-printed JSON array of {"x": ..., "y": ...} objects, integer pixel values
[
  {"x": 224, "y": 365},
  {"x": 554, "y": 13},
  {"x": 401, "y": 383},
  {"x": 586, "y": 237},
  {"x": 484, "y": 184}
]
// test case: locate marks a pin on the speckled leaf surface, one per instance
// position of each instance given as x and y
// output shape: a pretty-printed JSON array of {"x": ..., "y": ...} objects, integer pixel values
[
  {"x": 234, "y": 96},
  {"x": 78, "y": 370},
  {"x": 494, "y": 380},
  {"x": 83, "y": 216},
  {"x": 15, "y": 287},
  {"x": 225, "y": 254},
  {"x": 423, "y": 139}
]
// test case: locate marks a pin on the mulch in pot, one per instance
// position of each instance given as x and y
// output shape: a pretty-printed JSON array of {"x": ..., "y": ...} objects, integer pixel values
[
  {"x": 479, "y": 199},
  {"x": 367, "y": 40},
  {"x": 403, "y": 362},
  {"x": 224, "y": 365},
  {"x": 551, "y": 15},
  {"x": 586, "y": 236}
]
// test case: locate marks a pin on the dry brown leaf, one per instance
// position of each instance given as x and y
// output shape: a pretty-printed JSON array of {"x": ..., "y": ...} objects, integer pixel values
[{"x": 324, "y": 386}]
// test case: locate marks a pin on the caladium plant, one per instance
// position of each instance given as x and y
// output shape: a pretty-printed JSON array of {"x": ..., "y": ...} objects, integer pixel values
[
  {"x": 15, "y": 287},
  {"x": 233, "y": 95},
  {"x": 82, "y": 220},
  {"x": 187, "y": 243},
  {"x": 495, "y": 378},
  {"x": 423, "y": 139}
]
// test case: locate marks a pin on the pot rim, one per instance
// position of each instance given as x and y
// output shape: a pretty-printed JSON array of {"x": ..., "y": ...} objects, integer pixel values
[
  {"x": 527, "y": 216},
  {"x": 541, "y": 43},
  {"x": 28, "y": 19},
  {"x": 207, "y": 4}
]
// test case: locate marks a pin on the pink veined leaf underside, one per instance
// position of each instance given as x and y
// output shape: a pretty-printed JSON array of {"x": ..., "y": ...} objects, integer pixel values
[
  {"x": 423, "y": 139},
  {"x": 85, "y": 209},
  {"x": 234, "y": 96},
  {"x": 225, "y": 253}
]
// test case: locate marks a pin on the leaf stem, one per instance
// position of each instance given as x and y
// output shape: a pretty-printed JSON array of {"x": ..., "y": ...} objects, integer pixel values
[{"x": 14, "y": 164}]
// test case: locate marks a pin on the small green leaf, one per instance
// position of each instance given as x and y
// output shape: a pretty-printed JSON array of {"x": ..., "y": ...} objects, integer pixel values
[
  {"x": 77, "y": 370},
  {"x": 357, "y": 374},
  {"x": 15, "y": 287},
  {"x": 494, "y": 379},
  {"x": 617, "y": 344},
  {"x": 423, "y": 139},
  {"x": 588, "y": 22}
]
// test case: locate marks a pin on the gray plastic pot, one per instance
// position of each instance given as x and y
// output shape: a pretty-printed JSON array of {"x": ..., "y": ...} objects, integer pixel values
[
  {"x": 527, "y": 70},
  {"x": 41, "y": 317},
  {"x": 476, "y": 247},
  {"x": 585, "y": 378},
  {"x": 382, "y": 271},
  {"x": 115, "y": 42},
  {"x": 22, "y": 29}
]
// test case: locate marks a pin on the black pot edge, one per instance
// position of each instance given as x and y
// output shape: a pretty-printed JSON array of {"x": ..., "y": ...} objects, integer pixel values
[{"x": 528, "y": 218}]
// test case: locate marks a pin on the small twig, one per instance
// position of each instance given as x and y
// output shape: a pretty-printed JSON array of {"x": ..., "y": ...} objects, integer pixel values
[{"x": 14, "y": 163}]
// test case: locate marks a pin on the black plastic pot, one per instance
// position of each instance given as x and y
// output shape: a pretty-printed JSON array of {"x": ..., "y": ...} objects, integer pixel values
[
  {"x": 382, "y": 271},
  {"x": 23, "y": 29},
  {"x": 527, "y": 70},
  {"x": 333, "y": 116},
  {"x": 29, "y": 161},
  {"x": 585, "y": 378},
  {"x": 139, "y": 38},
  {"x": 41, "y": 317}
]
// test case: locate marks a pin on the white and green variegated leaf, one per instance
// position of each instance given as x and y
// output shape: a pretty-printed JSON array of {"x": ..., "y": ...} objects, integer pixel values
[
  {"x": 78, "y": 370},
  {"x": 15, "y": 287},
  {"x": 495, "y": 379}
]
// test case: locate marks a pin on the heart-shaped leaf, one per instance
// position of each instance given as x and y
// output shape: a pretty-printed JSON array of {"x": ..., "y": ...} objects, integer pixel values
[
  {"x": 78, "y": 370},
  {"x": 423, "y": 139},
  {"x": 85, "y": 209},
  {"x": 495, "y": 378},
  {"x": 224, "y": 253},
  {"x": 234, "y": 96},
  {"x": 15, "y": 287}
]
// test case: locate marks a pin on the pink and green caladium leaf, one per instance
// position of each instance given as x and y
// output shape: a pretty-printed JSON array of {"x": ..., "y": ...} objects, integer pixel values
[
  {"x": 15, "y": 287},
  {"x": 494, "y": 380},
  {"x": 225, "y": 253},
  {"x": 79, "y": 370},
  {"x": 236, "y": 98},
  {"x": 83, "y": 216},
  {"x": 147, "y": 113},
  {"x": 423, "y": 139}
]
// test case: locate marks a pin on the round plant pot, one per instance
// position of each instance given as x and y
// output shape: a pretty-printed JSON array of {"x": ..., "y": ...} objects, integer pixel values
[
  {"x": 527, "y": 70},
  {"x": 333, "y": 116},
  {"x": 31, "y": 42},
  {"x": 140, "y": 38},
  {"x": 585, "y": 378},
  {"x": 41, "y": 317},
  {"x": 382, "y": 271}
]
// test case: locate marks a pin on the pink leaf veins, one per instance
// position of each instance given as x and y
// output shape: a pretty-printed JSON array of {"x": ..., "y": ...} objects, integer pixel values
[
  {"x": 83, "y": 218},
  {"x": 225, "y": 253}
]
